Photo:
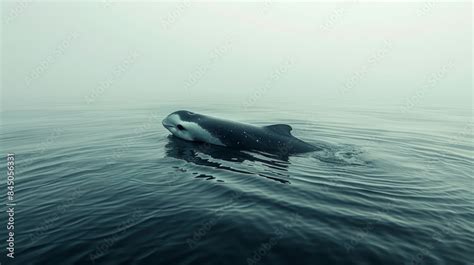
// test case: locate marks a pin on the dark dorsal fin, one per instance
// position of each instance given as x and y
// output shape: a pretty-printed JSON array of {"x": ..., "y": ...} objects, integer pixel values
[{"x": 283, "y": 129}]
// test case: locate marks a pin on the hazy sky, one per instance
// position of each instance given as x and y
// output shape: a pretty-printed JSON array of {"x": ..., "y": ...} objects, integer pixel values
[{"x": 411, "y": 54}]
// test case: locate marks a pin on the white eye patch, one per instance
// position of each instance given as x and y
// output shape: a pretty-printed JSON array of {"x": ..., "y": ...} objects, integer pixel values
[
  {"x": 192, "y": 131},
  {"x": 199, "y": 134}
]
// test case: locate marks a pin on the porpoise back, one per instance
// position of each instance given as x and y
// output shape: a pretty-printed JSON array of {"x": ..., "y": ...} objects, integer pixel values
[{"x": 275, "y": 139}]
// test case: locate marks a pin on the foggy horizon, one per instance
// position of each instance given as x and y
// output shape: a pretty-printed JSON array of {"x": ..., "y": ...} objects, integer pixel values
[
  {"x": 185, "y": 132},
  {"x": 93, "y": 54}
]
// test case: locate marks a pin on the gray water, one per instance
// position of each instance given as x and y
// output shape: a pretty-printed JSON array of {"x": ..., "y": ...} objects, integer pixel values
[
  {"x": 111, "y": 186},
  {"x": 98, "y": 180}
]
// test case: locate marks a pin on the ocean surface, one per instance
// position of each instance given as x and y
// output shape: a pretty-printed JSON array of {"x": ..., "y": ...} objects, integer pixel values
[{"x": 111, "y": 186}]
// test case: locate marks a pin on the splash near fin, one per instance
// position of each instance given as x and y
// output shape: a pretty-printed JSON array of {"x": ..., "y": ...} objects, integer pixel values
[{"x": 280, "y": 128}]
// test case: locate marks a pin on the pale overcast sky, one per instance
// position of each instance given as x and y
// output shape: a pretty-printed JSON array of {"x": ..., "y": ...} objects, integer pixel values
[{"x": 332, "y": 53}]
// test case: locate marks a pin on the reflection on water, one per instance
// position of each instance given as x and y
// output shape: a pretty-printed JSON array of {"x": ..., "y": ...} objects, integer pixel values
[
  {"x": 212, "y": 156},
  {"x": 377, "y": 192}
]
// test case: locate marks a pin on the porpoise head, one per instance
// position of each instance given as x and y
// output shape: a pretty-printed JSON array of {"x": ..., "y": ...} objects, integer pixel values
[
  {"x": 182, "y": 124},
  {"x": 188, "y": 126}
]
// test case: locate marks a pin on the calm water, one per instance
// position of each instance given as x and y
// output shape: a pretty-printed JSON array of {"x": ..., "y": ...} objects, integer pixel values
[{"x": 112, "y": 187}]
